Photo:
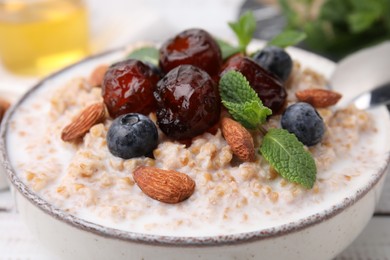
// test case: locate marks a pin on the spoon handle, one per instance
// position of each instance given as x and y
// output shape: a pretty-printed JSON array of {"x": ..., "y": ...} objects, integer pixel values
[{"x": 376, "y": 97}]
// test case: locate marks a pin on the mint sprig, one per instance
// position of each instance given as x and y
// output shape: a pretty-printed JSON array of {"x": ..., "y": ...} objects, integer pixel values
[
  {"x": 244, "y": 29},
  {"x": 241, "y": 100},
  {"x": 287, "y": 38},
  {"x": 289, "y": 158},
  {"x": 145, "y": 54},
  {"x": 281, "y": 149}
]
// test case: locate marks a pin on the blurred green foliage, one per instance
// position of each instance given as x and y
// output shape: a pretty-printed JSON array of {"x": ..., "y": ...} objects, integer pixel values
[{"x": 339, "y": 27}]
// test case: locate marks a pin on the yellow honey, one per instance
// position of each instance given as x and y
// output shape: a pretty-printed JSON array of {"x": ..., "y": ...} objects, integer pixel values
[{"x": 39, "y": 36}]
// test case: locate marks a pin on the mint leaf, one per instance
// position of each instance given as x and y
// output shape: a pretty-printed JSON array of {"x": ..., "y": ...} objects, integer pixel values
[
  {"x": 145, "y": 54},
  {"x": 244, "y": 29},
  {"x": 227, "y": 49},
  {"x": 289, "y": 157},
  {"x": 250, "y": 114},
  {"x": 241, "y": 100},
  {"x": 234, "y": 87},
  {"x": 359, "y": 22},
  {"x": 287, "y": 38},
  {"x": 364, "y": 14}
]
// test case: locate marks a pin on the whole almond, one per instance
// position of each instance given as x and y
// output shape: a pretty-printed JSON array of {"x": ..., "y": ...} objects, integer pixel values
[
  {"x": 164, "y": 185},
  {"x": 97, "y": 75},
  {"x": 319, "y": 98},
  {"x": 81, "y": 124},
  {"x": 239, "y": 139}
]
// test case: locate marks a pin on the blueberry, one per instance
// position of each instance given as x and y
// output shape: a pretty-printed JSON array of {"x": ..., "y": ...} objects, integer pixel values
[
  {"x": 276, "y": 60},
  {"x": 132, "y": 135},
  {"x": 304, "y": 121}
]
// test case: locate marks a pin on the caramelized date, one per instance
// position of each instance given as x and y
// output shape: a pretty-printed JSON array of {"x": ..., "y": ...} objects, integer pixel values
[
  {"x": 267, "y": 87},
  {"x": 195, "y": 47},
  {"x": 188, "y": 102},
  {"x": 128, "y": 88}
]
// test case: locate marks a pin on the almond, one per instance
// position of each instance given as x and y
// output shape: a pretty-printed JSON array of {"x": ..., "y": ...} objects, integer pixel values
[
  {"x": 97, "y": 75},
  {"x": 4, "y": 105},
  {"x": 81, "y": 124},
  {"x": 239, "y": 139},
  {"x": 319, "y": 98},
  {"x": 164, "y": 185}
]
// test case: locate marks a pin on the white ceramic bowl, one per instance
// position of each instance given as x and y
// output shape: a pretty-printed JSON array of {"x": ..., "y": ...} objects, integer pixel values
[{"x": 319, "y": 236}]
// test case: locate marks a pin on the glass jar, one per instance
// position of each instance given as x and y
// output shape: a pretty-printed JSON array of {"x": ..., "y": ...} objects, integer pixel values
[{"x": 40, "y": 36}]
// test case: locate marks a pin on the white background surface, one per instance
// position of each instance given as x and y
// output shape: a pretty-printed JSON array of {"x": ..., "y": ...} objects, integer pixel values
[{"x": 118, "y": 22}]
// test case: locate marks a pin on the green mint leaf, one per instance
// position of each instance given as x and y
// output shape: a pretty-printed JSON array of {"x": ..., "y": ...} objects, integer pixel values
[
  {"x": 287, "y": 38},
  {"x": 234, "y": 87},
  {"x": 364, "y": 14},
  {"x": 145, "y": 54},
  {"x": 289, "y": 157},
  {"x": 361, "y": 21},
  {"x": 244, "y": 29},
  {"x": 227, "y": 49},
  {"x": 250, "y": 114},
  {"x": 241, "y": 100}
]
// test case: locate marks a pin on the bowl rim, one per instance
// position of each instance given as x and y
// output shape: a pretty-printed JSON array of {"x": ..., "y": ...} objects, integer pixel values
[{"x": 162, "y": 240}]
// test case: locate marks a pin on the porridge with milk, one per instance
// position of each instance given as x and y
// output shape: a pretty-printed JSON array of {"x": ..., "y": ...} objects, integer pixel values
[{"x": 225, "y": 191}]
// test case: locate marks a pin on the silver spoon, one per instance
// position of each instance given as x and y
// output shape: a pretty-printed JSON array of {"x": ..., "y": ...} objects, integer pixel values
[
  {"x": 364, "y": 72},
  {"x": 373, "y": 98}
]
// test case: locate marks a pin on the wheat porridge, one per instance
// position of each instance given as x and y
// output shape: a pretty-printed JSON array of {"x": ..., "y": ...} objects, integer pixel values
[{"x": 230, "y": 195}]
